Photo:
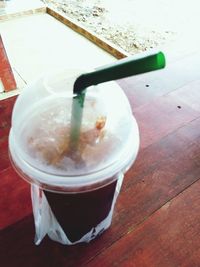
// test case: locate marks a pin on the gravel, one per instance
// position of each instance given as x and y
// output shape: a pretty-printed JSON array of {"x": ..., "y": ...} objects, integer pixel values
[{"x": 117, "y": 25}]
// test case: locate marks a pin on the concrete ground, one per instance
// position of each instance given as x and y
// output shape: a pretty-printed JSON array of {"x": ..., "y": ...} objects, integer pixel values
[{"x": 38, "y": 43}]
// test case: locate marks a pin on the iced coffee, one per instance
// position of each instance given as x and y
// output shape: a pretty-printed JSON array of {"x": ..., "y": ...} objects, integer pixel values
[
  {"x": 48, "y": 141},
  {"x": 79, "y": 184}
]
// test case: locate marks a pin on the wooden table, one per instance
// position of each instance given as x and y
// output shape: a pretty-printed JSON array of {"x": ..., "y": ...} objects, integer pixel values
[{"x": 157, "y": 217}]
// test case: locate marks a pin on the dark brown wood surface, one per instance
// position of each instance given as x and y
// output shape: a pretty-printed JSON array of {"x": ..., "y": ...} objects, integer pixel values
[{"x": 157, "y": 216}]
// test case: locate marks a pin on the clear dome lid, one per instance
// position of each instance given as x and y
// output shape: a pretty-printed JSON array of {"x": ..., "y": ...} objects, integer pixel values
[{"x": 41, "y": 137}]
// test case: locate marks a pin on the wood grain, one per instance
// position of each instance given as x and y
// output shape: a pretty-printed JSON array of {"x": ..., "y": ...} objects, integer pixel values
[
  {"x": 153, "y": 181},
  {"x": 170, "y": 237},
  {"x": 15, "y": 201},
  {"x": 15, "y": 193},
  {"x": 6, "y": 73},
  {"x": 144, "y": 88},
  {"x": 156, "y": 219},
  {"x": 6, "y": 107},
  {"x": 160, "y": 118}
]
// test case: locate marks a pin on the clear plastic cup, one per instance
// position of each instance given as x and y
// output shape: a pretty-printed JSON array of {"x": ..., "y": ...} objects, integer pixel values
[{"x": 73, "y": 191}]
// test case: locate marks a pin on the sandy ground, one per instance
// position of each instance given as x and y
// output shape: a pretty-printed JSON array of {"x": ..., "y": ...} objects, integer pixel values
[{"x": 134, "y": 25}]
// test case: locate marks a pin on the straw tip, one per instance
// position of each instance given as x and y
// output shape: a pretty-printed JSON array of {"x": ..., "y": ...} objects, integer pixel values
[{"x": 161, "y": 60}]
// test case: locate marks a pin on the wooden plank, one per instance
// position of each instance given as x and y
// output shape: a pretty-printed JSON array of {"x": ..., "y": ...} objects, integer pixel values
[
  {"x": 177, "y": 147},
  {"x": 4, "y": 158},
  {"x": 20, "y": 85},
  {"x": 142, "y": 233},
  {"x": 189, "y": 95},
  {"x": 21, "y": 249},
  {"x": 9, "y": 94},
  {"x": 146, "y": 87},
  {"x": 162, "y": 117},
  {"x": 15, "y": 193},
  {"x": 158, "y": 175},
  {"x": 15, "y": 201},
  {"x": 166, "y": 165},
  {"x": 5, "y": 119},
  {"x": 170, "y": 238},
  {"x": 6, "y": 74},
  {"x": 100, "y": 41},
  {"x": 19, "y": 14},
  {"x": 6, "y": 107}
]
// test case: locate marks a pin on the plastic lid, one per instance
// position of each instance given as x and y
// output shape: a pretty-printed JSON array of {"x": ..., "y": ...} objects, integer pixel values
[{"x": 40, "y": 134}]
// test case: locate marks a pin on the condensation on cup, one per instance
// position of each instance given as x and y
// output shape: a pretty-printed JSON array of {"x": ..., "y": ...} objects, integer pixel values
[{"x": 73, "y": 190}]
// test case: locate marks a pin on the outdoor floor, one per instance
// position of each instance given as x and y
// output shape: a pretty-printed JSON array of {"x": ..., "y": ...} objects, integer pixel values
[
  {"x": 38, "y": 43},
  {"x": 156, "y": 221}
]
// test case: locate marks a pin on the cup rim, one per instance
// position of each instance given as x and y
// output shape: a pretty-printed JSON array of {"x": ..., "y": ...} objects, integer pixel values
[{"x": 64, "y": 183}]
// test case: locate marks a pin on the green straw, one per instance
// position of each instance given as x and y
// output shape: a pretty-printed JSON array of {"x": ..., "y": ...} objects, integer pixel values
[{"x": 126, "y": 67}]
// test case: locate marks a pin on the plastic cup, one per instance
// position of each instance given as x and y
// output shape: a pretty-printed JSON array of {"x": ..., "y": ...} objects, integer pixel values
[{"x": 73, "y": 192}]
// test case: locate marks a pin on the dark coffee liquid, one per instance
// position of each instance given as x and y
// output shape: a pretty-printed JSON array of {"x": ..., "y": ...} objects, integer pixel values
[{"x": 78, "y": 213}]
